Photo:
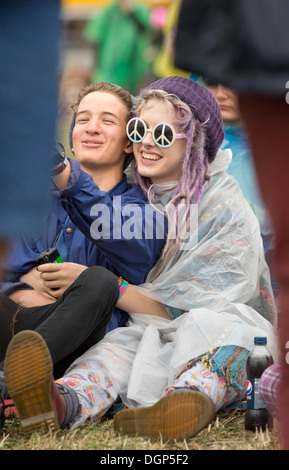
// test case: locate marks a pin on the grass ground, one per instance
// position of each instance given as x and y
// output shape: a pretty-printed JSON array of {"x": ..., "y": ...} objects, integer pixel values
[{"x": 227, "y": 432}]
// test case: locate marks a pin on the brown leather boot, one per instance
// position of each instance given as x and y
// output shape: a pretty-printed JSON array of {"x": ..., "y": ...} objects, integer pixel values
[
  {"x": 28, "y": 371},
  {"x": 177, "y": 416}
]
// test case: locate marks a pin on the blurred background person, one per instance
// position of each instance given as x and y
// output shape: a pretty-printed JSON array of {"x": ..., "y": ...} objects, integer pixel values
[
  {"x": 29, "y": 38},
  {"x": 123, "y": 34},
  {"x": 242, "y": 163},
  {"x": 164, "y": 63}
]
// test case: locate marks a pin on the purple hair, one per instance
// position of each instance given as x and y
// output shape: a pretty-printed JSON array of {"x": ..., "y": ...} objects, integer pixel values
[{"x": 195, "y": 168}]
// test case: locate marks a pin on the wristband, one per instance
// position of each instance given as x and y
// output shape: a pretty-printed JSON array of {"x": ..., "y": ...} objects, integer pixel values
[
  {"x": 59, "y": 160},
  {"x": 59, "y": 169},
  {"x": 122, "y": 283},
  {"x": 59, "y": 154}
]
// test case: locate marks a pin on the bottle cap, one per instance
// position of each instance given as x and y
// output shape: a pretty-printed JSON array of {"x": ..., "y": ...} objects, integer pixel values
[{"x": 260, "y": 340}]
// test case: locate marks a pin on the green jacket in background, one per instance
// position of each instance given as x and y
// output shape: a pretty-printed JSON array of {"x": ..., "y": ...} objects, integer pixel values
[{"x": 123, "y": 54}]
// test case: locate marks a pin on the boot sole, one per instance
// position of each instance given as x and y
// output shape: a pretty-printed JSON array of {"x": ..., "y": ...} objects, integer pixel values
[
  {"x": 176, "y": 416},
  {"x": 28, "y": 375}
]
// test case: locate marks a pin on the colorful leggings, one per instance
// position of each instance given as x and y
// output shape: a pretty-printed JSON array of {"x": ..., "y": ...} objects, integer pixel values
[{"x": 220, "y": 374}]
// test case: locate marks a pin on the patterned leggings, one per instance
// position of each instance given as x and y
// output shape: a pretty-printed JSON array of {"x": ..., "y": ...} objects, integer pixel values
[{"x": 220, "y": 374}]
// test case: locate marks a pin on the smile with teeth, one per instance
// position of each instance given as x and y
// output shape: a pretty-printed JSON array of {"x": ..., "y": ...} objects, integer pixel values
[
  {"x": 91, "y": 142},
  {"x": 150, "y": 156}
]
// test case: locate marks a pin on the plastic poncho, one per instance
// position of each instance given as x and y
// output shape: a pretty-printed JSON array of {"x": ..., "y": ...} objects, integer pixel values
[{"x": 222, "y": 283}]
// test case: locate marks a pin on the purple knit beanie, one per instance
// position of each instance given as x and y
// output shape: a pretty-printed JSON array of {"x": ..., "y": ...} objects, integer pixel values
[{"x": 202, "y": 103}]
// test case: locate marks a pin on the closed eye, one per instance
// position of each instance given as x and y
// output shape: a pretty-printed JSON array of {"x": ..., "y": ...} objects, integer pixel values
[{"x": 82, "y": 120}]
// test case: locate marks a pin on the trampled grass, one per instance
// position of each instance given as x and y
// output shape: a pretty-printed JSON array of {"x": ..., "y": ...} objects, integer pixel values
[{"x": 226, "y": 432}]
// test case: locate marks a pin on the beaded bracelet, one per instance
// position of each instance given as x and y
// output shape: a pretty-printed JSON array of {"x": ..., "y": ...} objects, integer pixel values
[{"x": 122, "y": 286}]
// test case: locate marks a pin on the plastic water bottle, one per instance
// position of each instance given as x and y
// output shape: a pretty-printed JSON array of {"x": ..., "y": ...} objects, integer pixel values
[{"x": 260, "y": 358}]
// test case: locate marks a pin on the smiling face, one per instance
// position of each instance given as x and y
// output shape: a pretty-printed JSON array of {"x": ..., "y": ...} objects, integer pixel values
[
  {"x": 99, "y": 135},
  {"x": 161, "y": 165}
]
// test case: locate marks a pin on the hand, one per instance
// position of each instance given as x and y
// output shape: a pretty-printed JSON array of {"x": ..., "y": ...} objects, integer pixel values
[
  {"x": 59, "y": 276},
  {"x": 33, "y": 279}
]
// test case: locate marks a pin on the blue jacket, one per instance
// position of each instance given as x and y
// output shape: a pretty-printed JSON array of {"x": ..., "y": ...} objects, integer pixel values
[
  {"x": 72, "y": 226},
  {"x": 243, "y": 170}
]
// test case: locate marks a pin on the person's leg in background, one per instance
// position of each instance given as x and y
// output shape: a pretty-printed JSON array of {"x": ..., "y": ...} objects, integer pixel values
[
  {"x": 267, "y": 122},
  {"x": 269, "y": 389},
  {"x": 29, "y": 61}
]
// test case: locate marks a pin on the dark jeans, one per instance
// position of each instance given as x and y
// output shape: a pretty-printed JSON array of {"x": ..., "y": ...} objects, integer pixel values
[{"x": 71, "y": 325}]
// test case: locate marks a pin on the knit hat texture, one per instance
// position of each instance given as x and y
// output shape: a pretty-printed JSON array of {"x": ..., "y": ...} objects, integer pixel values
[{"x": 202, "y": 103}]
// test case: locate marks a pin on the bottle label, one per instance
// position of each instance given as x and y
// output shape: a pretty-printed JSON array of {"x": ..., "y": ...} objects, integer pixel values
[{"x": 254, "y": 401}]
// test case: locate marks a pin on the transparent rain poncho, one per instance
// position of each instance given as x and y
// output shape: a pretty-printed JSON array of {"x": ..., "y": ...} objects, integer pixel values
[{"x": 220, "y": 281}]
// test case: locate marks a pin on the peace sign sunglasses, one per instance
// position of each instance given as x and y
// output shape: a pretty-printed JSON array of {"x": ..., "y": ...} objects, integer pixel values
[{"x": 163, "y": 133}]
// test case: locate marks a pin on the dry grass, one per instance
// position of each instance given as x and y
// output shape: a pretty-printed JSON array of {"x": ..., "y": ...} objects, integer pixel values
[{"x": 225, "y": 433}]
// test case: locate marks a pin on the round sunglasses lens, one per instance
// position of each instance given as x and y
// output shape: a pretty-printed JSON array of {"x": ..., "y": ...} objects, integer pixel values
[
  {"x": 136, "y": 130},
  {"x": 163, "y": 135}
]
